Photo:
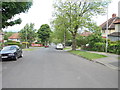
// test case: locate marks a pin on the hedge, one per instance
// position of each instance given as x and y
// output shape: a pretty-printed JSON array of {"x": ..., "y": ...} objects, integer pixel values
[
  {"x": 112, "y": 48},
  {"x": 13, "y": 43}
]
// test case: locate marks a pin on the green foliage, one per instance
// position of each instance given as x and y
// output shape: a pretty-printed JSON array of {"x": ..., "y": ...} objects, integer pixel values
[
  {"x": 44, "y": 33},
  {"x": 7, "y": 35},
  {"x": 76, "y": 15},
  {"x": 81, "y": 40},
  {"x": 24, "y": 44},
  {"x": 28, "y": 33},
  {"x": 13, "y": 43},
  {"x": 10, "y": 9},
  {"x": 113, "y": 47}
]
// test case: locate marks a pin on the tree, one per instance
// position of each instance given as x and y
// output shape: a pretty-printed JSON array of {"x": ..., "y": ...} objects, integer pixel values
[
  {"x": 7, "y": 35},
  {"x": 61, "y": 34},
  {"x": 78, "y": 14},
  {"x": 44, "y": 33},
  {"x": 10, "y": 9},
  {"x": 28, "y": 33}
]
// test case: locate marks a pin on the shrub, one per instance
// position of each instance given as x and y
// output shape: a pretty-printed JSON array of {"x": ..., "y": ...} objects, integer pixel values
[
  {"x": 24, "y": 44},
  {"x": 99, "y": 46},
  {"x": 114, "y": 48}
]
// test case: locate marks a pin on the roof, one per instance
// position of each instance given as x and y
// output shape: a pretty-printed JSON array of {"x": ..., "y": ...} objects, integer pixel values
[
  {"x": 111, "y": 21},
  {"x": 86, "y": 33},
  {"x": 14, "y": 36},
  {"x": 115, "y": 34},
  {"x": 117, "y": 21}
]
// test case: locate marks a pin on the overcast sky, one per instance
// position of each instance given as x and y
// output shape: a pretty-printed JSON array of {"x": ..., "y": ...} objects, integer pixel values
[{"x": 41, "y": 13}]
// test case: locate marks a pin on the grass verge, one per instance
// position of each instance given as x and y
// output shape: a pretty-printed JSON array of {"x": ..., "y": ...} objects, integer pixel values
[
  {"x": 68, "y": 48},
  {"x": 29, "y": 49},
  {"x": 87, "y": 55}
]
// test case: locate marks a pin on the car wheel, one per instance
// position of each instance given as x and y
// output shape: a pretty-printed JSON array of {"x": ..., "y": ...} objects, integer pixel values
[
  {"x": 15, "y": 58},
  {"x": 21, "y": 55}
]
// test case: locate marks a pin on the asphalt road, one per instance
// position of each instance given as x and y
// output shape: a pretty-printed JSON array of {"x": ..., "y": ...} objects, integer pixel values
[{"x": 50, "y": 68}]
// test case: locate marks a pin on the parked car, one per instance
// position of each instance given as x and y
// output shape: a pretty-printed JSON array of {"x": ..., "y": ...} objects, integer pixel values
[
  {"x": 11, "y": 52},
  {"x": 59, "y": 46},
  {"x": 46, "y": 46}
]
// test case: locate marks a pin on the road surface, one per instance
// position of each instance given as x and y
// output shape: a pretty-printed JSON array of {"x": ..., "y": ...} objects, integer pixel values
[{"x": 50, "y": 68}]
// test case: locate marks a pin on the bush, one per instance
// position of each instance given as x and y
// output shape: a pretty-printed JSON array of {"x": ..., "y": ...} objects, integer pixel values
[
  {"x": 24, "y": 44},
  {"x": 113, "y": 47},
  {"x": 99, "y": 46},
  {"x": 37, "y": 42}
]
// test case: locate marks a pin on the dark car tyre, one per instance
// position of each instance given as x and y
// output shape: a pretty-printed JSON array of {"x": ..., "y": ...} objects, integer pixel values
[
  {"x": 21, "y": 55},
  {"x": 16, "y": 57}
]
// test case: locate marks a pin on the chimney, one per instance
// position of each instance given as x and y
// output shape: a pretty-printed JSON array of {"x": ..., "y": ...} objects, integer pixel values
[{"x": 113, "y": 15}]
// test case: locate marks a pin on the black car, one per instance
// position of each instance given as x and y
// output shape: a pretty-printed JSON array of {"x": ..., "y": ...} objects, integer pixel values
[{"x": 11, "y": 52}]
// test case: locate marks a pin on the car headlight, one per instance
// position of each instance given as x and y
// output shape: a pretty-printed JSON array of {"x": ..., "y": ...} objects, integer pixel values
[{"x": 11, "y": 54}]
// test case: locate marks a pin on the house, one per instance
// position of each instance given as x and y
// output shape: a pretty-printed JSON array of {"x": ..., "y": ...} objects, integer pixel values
[
  {"x": 115, "y": 36},
  {"x": 85, "y": 33},
  {"x": 111, "y": 25},
  {"x": 113, "y": 28},
  {"x": 14, "y": 37}
]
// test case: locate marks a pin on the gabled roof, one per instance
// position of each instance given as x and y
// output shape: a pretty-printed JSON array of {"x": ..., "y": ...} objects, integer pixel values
[
  {"x": 117, "y": 21},
  {"x": 86, "y": 33},
  {"x": 111, "y": 21},
  {"x": 14, "y": 36}
]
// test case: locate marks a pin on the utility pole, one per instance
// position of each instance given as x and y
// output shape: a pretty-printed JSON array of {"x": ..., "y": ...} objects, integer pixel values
[
  {"x": 107, "y": 32},
  {"x": 26, "y": 38}
]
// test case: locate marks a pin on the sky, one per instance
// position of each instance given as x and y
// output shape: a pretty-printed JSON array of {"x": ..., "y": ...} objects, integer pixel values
[{"x": 41, "y": 13}]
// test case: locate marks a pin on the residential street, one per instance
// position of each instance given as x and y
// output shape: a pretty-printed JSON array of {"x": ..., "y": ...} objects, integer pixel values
[{"x": 51, "y": 68}]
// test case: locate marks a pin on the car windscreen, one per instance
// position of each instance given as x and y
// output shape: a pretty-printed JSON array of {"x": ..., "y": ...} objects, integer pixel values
[{"x": 8, "y": 48}]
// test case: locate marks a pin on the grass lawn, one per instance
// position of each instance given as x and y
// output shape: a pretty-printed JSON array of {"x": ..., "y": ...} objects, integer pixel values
[{"x": 87, "y": 55}]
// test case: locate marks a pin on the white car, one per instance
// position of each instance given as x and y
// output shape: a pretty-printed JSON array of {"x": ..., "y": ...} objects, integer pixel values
[{"x": 59, "y": 46}]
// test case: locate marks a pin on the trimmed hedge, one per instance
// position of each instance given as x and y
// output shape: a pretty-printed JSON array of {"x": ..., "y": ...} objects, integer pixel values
[
  {"x": 112, "y": 47},
  {"x": 13, "y": 43}
]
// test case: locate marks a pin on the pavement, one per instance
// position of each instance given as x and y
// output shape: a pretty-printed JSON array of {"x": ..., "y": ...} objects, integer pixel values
[{"x": 110, "y": 61}]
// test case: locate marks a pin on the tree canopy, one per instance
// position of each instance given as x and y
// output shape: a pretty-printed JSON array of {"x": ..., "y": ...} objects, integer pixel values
[
  {"x": 10, "y": 9},
  {"x": 77, "y": 14},
  {"x": 44, "y": 33},
  {"x": 28, "y": 33}
]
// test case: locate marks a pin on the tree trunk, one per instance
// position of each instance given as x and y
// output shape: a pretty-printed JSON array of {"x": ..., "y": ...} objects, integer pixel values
[{"x": 74, "y": 42}]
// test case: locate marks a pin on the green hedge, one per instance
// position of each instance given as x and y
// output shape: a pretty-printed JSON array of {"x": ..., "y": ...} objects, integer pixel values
[
  {"x": 13, "y": 43},
  {"x": 112, "y": 47}
]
